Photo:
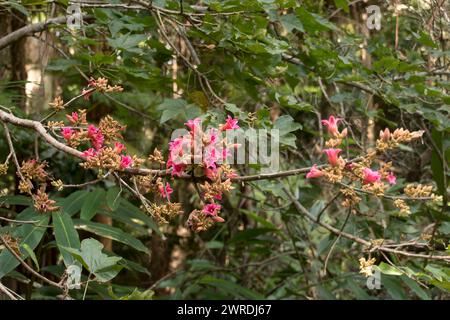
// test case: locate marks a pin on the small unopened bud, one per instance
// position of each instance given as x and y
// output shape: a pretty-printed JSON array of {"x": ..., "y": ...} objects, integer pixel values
[{"x": 385, "y": 135}]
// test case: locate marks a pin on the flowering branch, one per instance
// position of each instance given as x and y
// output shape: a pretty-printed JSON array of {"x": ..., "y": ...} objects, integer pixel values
[{"x": 369, "y": 244}]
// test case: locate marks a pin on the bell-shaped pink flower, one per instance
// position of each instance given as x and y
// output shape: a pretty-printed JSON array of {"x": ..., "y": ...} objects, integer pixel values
[
  {"x": 89, "y": 153},
  {"x": 333, "y": 156},
  {"x": 67, "y": 133},
  {"x": 314, "y": 173},
  {"x": 96, "y": 136},
  {"x": 230, "y": 124},
  {"x": 194, "y": 124},
  {"x": 332, "y": 125},
  {"x": 211, "y": 209},
  {"x": 125, "y": 161},
  {"x": 165, "y": 191},
  {"x": 371, "y": 176},
  {"x": 118, "y": 147},
  {"x": 73, "y": 118},
  {"x": 391, "y": 178}
]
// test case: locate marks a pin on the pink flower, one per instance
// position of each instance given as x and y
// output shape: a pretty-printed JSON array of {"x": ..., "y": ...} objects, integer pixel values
[
  {"x": 166, "y": 191},
  {"x": 391, "y": 178},
  {"x": 177, "y": 169},
  {"x": 314, "y": 173},
  {"x": 333, "y": 156},
  {"x": 225, "y": 153},
  {"x": 89, "y": 153},
  {"x": 371, "y": 176},
  {"x": 213, "y": 136},
  {"x": 210, "y": 157},
  {"x": 67, "y": 133},
  {"x": 231, "y": 175},
  {"x": 193, "y": 124},
  {"x": 211, "y": 173},
  {"x": 92, "y": 130},
  {"x": 230, "y": 124},
  {"x": 96, "y": 136},
  {"x": 332, "y": 125},
  {"x": 211, "y": 209},
  {"x": 125, "y": 161},
  {"x": 73, "y": 118},
  {"x": 118, "y": 147}
]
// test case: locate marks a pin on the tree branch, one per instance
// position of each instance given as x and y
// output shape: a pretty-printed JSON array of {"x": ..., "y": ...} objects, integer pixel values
[
  {"x": 32, "y": 29},
  {"x": 302, "y": 210}
]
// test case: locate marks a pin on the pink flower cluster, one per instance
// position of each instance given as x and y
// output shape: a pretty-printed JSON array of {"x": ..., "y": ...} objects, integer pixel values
[
  {"x": 368, "y": 175},
  {"x": 203, "y": 151},
  {"x": 96, "y": 139},
  {"x": 206, "y": 149}
]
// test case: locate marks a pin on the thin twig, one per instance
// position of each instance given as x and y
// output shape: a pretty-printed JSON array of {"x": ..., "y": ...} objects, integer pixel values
[{"x": 31, "y": 270}]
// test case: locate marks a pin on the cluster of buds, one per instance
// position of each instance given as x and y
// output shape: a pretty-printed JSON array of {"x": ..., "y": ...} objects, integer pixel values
[
  {"x": 100, "y": 85},
  {"x": 29, "y": 171},
  {"x": 350, "y": 197},
  {"x": 3, "y": 168},
  {"x": 388, "y": 140},
  {"x": 156, "y": 185},
  {"x": 42, "y": 203},
  {"x": 204, "y": 153},
  {"x": 165, "y": 212},
  {"x": 366, "y": 266},
  {"x": 12, "y": 242},
  {"x": 32, "y": 170},
  {"x": 359, "y": 173},
  {"x": 57, "y": 104},
  {"x": 421, "y": 191},
  {"x": 156, "y": 157},
  {"x": 404, "y": 209}
]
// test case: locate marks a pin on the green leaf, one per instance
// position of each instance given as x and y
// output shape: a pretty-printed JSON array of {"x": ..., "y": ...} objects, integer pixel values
[
  {"x": 92, "y": 203},
  {"x": 232, "y": 108},
  {"x": 290, "y": 22},
  {"x": 90, "y": 255},
  {"x": 113, "y": 198},
  {"x": 128, "y": 209},
  {"x": 171, "y": 108},
  {"x": 313, "y": 22},
  {"x": 415, "y": 287},
  {"x": 426, "y": 40},
  {"x": 16, "y": 200},
  {"x": 112, "y": 233},
  {"x": 393, "y": 287},
  {"x": 31, "y": 254},
  {"x": 66, "y": 236},
  {"x": 128, "y": 42},
  {"x": 73, "y": 203},
  {"x": 285, "y": 124},
  {"x": 135, "y": 295},
  {"x": 30, "y": 234},
  {"x": 388, "y": 269},
  {"x": 437, "y": 167},
  {"x": 342, "y": 4}
]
